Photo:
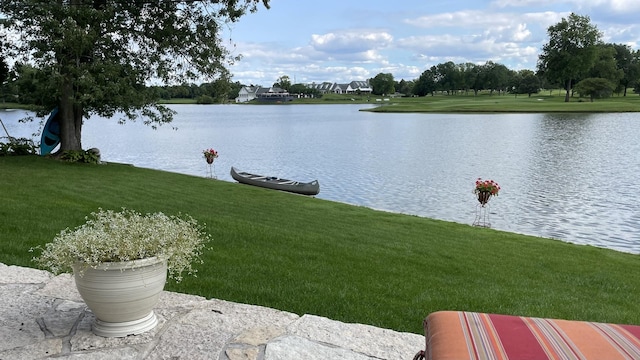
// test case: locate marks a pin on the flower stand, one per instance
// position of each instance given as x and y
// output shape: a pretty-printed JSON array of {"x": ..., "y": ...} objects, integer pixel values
[
  {"x": 482, "y": 210},
  {"x": 211, "y": 170},
  {"x": 210, "y": 155}
]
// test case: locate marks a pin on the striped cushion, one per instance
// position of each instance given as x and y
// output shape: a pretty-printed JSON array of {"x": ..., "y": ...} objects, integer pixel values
[{"x": 453, "y": 335}]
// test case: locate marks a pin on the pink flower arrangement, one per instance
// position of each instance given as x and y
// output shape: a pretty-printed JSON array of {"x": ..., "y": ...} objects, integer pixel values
[
  {"x": 210, "y": 154},
  {"x": 489, "y": 186}
]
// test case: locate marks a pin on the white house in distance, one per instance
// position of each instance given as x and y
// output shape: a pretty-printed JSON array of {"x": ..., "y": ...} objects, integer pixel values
[
  {"x": 350, "y": 88},
  {"x": 248, "y": 93}
]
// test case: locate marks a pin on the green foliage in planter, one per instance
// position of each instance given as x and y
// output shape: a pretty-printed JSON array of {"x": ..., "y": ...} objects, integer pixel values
[{"x": 108, "y": 236}]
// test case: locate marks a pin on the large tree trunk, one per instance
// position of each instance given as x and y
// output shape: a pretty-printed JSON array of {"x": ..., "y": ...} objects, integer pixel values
[
  {"x": 70, "y": 120},
  {"x": 567, "y": 94}
]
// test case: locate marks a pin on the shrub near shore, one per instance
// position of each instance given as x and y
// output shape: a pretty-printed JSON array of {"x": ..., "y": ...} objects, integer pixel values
[{"x": 308, "y": 255}]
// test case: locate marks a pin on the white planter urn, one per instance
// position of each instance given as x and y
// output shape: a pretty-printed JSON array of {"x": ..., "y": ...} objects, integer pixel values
[{"x": 122, "y": 295}]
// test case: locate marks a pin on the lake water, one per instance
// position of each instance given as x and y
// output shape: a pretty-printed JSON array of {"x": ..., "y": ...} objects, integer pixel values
[{"x": 571, "y": 177}]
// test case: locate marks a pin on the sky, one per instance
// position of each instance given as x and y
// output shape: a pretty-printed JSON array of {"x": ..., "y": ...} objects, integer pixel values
[{"x": 347, "y": 40}]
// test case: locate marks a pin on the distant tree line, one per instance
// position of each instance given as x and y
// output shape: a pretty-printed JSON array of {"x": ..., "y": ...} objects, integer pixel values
[
  {"x": 575, "y": 59},
  {"x": 23, "y": 85},
  {"x": 465, "y": 78}
]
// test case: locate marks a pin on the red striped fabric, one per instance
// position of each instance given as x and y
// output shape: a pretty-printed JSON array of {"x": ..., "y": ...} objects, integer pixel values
[{"x": 453, "y": 335}]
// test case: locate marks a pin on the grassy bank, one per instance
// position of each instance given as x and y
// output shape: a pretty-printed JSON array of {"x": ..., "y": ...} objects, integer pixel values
[
  {"x": 308, "y": 255},
  {"x": 508, "y": 104}
]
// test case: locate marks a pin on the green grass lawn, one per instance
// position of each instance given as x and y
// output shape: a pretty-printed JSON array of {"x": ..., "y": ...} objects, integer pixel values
[
  {"x": 537, "y": 103},
  {"x": 308, "y": 255},
  {"x": 484, "y": 102}
]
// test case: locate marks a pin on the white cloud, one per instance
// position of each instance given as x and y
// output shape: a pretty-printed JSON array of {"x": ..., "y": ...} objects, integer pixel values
[
  {"x": 599, "y": 8},
  {"x": 301, "y": 64},
  {"x": 522, "y": 33},
  {"x": 437, "y": 49},
  {"x": 527, "y": 3},
  {"x": 350, "y": 41},
  {"x": 469, "y": 20},
  {"x": 466, "y": 19},
  {"x": 478, "y": 36},
  {"x": 622, "y": 34},
  {"x": 615, "y": 6}
]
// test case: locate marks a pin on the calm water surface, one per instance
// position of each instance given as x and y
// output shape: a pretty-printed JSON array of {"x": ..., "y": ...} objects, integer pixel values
[{"x": 568, "y": 177}]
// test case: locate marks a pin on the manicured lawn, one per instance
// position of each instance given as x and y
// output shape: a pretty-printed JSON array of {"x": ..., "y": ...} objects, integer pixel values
[
  {"x": 308, "y": 255},
  {"x": 485, "y": 103}
]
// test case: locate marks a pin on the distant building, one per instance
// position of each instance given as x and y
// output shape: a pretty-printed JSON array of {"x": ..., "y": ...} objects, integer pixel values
[
  {"x": 335, "y": 88},
  {"x": 276, "y": 94},
  {"x": 248, "y": 93}
]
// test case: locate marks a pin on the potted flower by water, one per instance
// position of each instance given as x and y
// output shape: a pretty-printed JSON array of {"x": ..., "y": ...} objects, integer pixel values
[
  {"x": 484, "y": 189},
  {"x": 120, "y": 262},
  {"x": 210, "y": 155}
]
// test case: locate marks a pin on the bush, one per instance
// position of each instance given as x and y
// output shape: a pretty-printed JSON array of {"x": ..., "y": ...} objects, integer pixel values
[
  {"x": 205, "y": 100},
  {"x": 82, "y": 156},
  {"x": 21, "y": 146}
]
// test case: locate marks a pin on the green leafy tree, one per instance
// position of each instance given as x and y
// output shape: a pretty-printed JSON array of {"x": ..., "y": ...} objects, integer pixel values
[
  {"x": 595, "y": 88},
  {"x": 4, "y": 70},
  {"x": 471, "y": 76},
  {"x": 627, "y": 61},
  {"x": 634, "y": 70},
  {"x": 234, "y": 89},
  {"x": 284, "y": 82},
  {"x": 97, "y": 55},
  {"x": 426, "y": 83},
  {"x": 4, "y": 75},
  {"x": 404, "y": 87},
  {"x": 298, "y": 88},
  {"x": 606, "y": 66},
  {"x": 383, "y": 84},
  {"x": 30, "y": 85},
  {"x": 571, "y": 51},
  {"x": 529, "y": 83},
  {"x": 194, "y": 91},
  {"x": 220, "y": 88},
  {"x": 495, "y": 77},
  {"x": 448, "y": 77},
  {"x": 182, "y": 91},
  {"x": 305, "y": 90}
]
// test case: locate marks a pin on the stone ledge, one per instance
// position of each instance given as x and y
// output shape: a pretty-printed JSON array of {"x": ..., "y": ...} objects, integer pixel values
[
  {"x": 21, "y": 275},
  {"x": 43, "y": 316}
]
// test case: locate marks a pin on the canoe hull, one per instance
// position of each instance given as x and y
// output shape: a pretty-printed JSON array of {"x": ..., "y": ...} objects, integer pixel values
[
  {"x": 50, "y": 138},
  {"x": 269, "y": 182}
]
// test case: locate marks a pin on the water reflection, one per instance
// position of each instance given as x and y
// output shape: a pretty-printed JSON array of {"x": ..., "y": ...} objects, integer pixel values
[
  {"x": 569, "y": 177},
  {"x": 578, "y": 188}
]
